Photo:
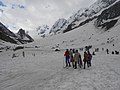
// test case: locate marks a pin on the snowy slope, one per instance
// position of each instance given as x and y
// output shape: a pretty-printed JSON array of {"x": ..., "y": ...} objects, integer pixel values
[
  {"x": 83, "y": 14},
  {"x": 42, "y": 67},
  {"x": 58, "y": 25},
  {"x": 42, "y": 31},
  {"x": 5, "y": 45},
  {"x": 84, "y": 35},
  {"x": 109, "y": 17}
]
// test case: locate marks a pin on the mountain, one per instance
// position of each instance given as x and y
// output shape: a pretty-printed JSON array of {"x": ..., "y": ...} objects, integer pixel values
[
  {"x": 8, "y": 36},
  {"x": 24, "y": 37},
  {"x": 43, "y": 30},
  {"x": 109, "y": 17},
  {"x": 82, "y": 16},
  {"x": 58, "y": 25}
]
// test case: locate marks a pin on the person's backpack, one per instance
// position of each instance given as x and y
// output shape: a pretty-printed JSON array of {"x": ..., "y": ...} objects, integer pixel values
[{"x": 89, "y": 56}]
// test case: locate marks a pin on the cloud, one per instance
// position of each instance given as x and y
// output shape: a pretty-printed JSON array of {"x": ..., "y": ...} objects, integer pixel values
[{"x": 39, "y": 12}]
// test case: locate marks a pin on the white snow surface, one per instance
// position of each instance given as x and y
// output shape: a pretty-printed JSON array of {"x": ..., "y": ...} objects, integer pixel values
[{"x": 42, "y": 67}]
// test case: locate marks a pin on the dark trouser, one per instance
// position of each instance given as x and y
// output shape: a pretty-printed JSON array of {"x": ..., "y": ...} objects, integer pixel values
[
  {"x": 67, "y": 61},
  {"x": 89, "y": 62},
  {"x": 80, "y": 63},
  {"x": 85, "y": 64},
  {"x": 75, "y": 64}
]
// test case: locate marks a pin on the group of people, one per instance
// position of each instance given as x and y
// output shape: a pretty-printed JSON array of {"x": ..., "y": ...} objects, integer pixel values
[{"x": 74, "y": 57}]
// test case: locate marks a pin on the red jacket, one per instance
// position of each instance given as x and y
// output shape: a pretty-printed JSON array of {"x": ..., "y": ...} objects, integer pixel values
[{"x": 66, "y": 53}]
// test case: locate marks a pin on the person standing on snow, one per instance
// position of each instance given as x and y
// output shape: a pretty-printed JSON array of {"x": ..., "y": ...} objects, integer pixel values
[
  {"x": 80, "y": 61},
  {"x": 71, "y": 57},
  {"x": 89, "y": 57},
  {"x": 76, "y": 58},
  {"x": 23, "y": 54},
  {"x": 107, "y": 51},
  {"x": 85, "y": 60},
  {"x": 72, "y": 61},
  {"x": 71, "y": 53},
  {"x": 67, "y": 57}
]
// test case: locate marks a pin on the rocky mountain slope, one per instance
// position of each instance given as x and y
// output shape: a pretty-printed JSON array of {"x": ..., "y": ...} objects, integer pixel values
[
  {"x": 20, "y": 38},
  {"x": 58, "y": 25},
  {"x": 109, "y": 17},
  {"x": 84, "y": 15},
  {"x": 24, "y": 36},
  {"x": 43, "y": 30}
]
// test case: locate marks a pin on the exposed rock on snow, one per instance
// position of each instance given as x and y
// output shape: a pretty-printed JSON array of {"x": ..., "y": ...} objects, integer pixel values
[
  {"x": 8, "y": 36},
  {"x": 43, "y": 30},
  {"x": 24, "y": 36},
  {"x": 109, "y": 17}
]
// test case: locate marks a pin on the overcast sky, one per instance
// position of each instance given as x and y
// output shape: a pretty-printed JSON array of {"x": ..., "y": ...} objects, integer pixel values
[
  {"x": 41, "y": 12},
  {"x": 48, "y": 11}
]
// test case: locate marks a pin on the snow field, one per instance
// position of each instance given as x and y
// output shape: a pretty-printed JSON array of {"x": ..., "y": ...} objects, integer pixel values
[
  {"x": 42, "y": 68},
  {"x": 44, "y": 71}
]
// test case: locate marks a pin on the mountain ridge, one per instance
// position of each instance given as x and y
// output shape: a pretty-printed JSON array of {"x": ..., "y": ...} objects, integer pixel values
[
  {"x": 82, "y": 14},
  {"x": 9, "y": 36}
]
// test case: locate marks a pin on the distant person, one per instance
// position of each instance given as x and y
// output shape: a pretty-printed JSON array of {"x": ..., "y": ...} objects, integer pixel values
[
  {"x": 102, "y": 49},
  {"x": 34, "y": 54},
  {"x": 116, "y": 52},
  {"x": 67, "y": 58},
  {"x": 93, "y": 53},
  {"x": 107, "y": 51},
  {"x": 112, "y": 52},
  {"x": 23, "y": 54},
  {"x": 13, "y": 55},
  {"x": 113, "y": 44}
]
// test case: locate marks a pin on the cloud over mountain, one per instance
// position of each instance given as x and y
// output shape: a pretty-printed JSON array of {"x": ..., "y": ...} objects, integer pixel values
[{"x": 29, "y": 14}]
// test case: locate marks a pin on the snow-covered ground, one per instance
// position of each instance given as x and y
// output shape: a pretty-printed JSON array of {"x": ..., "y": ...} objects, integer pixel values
[{"x": 42, "y": 68}]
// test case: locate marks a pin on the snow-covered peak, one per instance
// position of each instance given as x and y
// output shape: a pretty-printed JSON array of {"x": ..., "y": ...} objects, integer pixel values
[
  {"x": 43, "y": 30},
  {"x": 24, "y": 36},
  {"x": 84, "y": 13},
  {"x": 20, "y": 38},
  {"x": 21, "y": 33},
  {"x": 109, "y": 17},
  {"x": 58, "y": 25},
  {"x": 100, "y": 4},
  {"x": 88, "y": 12}
]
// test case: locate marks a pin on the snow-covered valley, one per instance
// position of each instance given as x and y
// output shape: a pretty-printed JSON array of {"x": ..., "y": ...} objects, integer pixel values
[{"x": 42, "y": 67}]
